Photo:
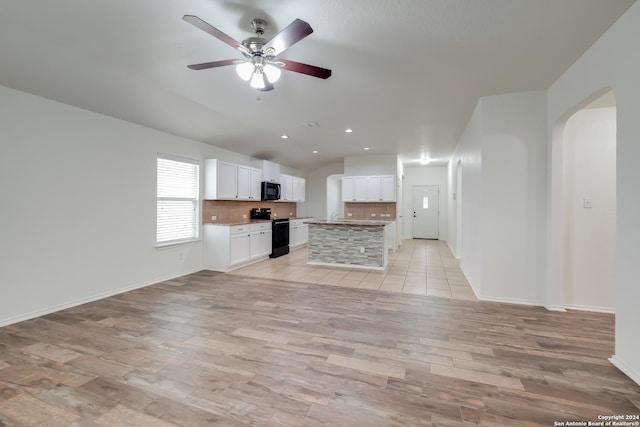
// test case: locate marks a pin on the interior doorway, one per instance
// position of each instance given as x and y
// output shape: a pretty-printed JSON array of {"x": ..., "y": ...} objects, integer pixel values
[
  {"x": 426, "y": 212},
  {"x": 589, "y": 165},
  {"x": 584, "y": 208}
]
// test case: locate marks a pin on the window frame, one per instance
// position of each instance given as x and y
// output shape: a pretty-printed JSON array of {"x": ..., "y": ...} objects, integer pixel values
[{"x": 196, "y": 201}]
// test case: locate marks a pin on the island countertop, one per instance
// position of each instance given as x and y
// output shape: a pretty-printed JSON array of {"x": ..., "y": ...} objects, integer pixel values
[{"x": 350, "y": 222}]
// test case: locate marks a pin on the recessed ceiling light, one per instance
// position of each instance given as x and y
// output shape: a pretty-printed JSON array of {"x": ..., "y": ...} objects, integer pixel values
[
  {"x": 315, "y": 151},
  {"x": 348, "y": 130},
  {"x": 367, "y": 148},
  {"x": 284, "y": 137}
]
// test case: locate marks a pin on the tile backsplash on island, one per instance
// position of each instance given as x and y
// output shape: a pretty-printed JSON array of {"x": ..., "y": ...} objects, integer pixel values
[
  {"x": 227, "y": 211},
  {"x": 370, "y": 210}
]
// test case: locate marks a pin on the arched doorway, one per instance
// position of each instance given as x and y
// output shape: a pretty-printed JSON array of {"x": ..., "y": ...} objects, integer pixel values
[{"x": 584, "y": 205}]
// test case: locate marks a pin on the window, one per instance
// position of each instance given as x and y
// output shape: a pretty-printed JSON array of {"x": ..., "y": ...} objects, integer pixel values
[
  {"x": 425, "y": 202},
  {"x": 178, "y": 200}
]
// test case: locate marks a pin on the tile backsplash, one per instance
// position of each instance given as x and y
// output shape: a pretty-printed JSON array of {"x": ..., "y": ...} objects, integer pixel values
[
  {"x": 366, "y": 210},
  {"x": 227, "y": 211}
]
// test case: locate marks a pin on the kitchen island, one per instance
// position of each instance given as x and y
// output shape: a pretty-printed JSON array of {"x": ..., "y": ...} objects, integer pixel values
[{"x": 348, "y": 243}]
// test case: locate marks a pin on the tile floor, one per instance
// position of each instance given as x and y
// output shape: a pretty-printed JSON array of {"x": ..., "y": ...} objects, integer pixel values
[{"x": 419, "y": 267}]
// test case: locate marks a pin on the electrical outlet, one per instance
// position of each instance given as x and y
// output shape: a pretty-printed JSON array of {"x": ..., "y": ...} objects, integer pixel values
[
  {"x": 290, "y": 213},
  {"x": 361, "y": 249},
  {"x": 349, "y": 214},
  {"x": 244, "y": 216},
  {"x": 213, "y": 217},
  {"x": 373, "y": 215}
]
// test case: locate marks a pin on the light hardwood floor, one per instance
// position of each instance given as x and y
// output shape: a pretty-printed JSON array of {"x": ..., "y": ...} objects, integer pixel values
[{"x": 218, "y": 349}]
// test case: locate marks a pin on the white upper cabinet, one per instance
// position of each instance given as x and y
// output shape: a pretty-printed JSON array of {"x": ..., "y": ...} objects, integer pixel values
[
  {"x": 292, "y": 188},
  {"x": 373, "y": 188},
  {"x": 348, "y": 192},
  {"x": 221, "y": 179},
  {"x": 244, "y": 182},
  {"x": 299, "y": 189},
  {"x": 388, "y": 188},
  {"x": 286, "y": 188},
  {"x": 270, "y": 171},
  {"x": 229, "y": 181},
  {"x": 379, "y": 188},
  {"x": 360, "y": 186},
  {"x": 256, "y": 184}
]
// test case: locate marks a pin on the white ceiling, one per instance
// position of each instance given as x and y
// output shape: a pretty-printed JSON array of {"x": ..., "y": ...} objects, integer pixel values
[{"x": 406, "y": 73}]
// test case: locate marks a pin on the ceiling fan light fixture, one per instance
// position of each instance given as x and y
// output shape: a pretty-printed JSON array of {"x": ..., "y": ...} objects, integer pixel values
[
  {"x": 245, "y": 70},
  {"x": 257, "y": 80},
  {"x": 273, "y": 73}
]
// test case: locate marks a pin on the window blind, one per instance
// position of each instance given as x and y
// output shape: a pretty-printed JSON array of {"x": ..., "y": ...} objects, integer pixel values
[{"x": 178, "y": 200}]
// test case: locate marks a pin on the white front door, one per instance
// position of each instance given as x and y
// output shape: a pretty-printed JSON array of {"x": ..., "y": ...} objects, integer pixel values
[{"x": 425, "y": 212}]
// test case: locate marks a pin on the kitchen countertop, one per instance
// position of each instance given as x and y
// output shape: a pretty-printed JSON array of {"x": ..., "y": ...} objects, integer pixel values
[
  {"x": 350, "y": 222},
  {"x": 245, "y": 222},
  {"x": 254, "y": 221}
]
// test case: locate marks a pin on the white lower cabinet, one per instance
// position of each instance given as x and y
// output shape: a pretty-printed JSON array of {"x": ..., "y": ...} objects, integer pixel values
[
  {"x": 260, "y": 243},
  {"x": 239, "y": 249},
  {"x": 230, "y": 246},
  {"x": 298, "y": 233}
]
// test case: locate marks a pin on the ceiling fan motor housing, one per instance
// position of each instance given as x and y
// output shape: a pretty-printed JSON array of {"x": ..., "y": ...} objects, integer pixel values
[{"x": 258, "y": 26}]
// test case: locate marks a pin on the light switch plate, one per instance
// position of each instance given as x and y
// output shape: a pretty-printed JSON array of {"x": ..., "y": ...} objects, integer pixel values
[
  {"x": 213, "y": 217},
  {"x": 587, "y": 203}
]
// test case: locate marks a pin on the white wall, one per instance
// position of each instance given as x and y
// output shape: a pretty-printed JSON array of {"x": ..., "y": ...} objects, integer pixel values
[
  {"x": 371, "y": 164},
  {"x": 613, "y": 62},
  {"x": 335, "y": 205},
  {"x": 590, "y": 172},
  {"x": 469, "y": 154},
  {"x": 513, "y": 159},
  {"x": 78, "y": 218},
  {"x": 502, "y": 155},
  {"x": 316, "y": 191},
  {"x": 425, "y": 175}
]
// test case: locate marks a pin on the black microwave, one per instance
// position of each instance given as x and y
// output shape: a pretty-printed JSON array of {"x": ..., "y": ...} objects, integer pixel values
[{"x": 270, "y": 191}]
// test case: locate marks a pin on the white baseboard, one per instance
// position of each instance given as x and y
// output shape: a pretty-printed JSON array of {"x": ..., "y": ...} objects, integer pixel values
[
  {"x": 555, "y": 307},
  {"x": 615, "y": 361},
  {"x": 53, "y": 309},
  {"x": 591, "y": 308},
  {"x": 509, "y": 301}
]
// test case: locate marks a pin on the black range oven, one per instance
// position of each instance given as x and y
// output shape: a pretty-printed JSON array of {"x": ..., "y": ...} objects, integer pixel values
[
  {"x": 280, "y": 237},
  {"x": 280, "y": 231}
]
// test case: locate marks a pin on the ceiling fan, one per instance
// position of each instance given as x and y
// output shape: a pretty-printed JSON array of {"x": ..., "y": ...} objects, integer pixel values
[{"x": 261, "y": 66}]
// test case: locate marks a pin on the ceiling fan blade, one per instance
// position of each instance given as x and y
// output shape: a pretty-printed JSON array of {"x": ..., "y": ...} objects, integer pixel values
[
  {"x": 214, "y": 64},
  {"x": 298, "y": 67},
  {"x": 194, "y": 20},
  {"x": 286, "y": 38}
]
